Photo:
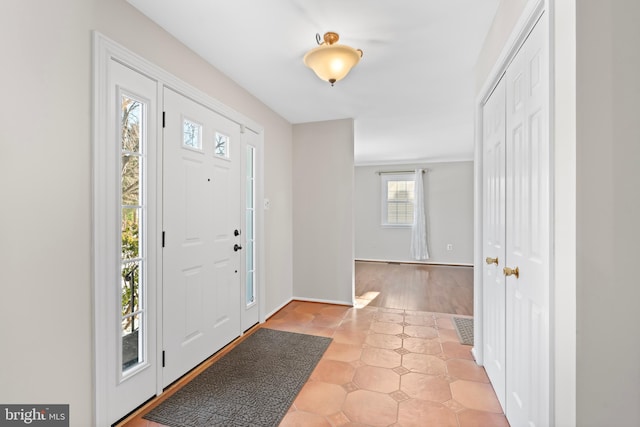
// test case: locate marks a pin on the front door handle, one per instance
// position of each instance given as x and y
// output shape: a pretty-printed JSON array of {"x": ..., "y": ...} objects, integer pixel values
[{"x": 236, "y": 247}]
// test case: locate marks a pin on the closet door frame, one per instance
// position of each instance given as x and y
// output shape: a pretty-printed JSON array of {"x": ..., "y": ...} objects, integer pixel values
[{"x": 530, "y": 16}]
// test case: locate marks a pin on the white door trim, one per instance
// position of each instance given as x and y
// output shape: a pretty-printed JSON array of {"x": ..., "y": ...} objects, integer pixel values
[
  {"x": 105, "y": 50},
  {"x": 523, "y": 27},
  {"x": 531, "y": 14}
]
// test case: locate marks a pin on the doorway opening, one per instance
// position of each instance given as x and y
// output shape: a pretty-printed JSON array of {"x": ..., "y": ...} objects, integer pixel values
[{"x": 414, "y": 287}]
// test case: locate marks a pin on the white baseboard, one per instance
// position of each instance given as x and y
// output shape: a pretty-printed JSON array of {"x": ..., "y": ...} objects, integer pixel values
[
  {"x": 325, "y": 301},
  {"x": 280, "y": 307},
  {"x": 475, "y": 355},
  {"x": 454, "y": 264}
]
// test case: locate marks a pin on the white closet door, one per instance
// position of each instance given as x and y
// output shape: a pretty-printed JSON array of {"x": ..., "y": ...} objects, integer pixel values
[
  {"x": 527, "y": 233},
  {"x": 494, "y": 239}
]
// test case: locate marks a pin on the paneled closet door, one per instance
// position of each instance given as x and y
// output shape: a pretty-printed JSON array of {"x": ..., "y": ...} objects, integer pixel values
[
  {"x": 493, "y": 143},
  {"x": 527, "y": 232}
]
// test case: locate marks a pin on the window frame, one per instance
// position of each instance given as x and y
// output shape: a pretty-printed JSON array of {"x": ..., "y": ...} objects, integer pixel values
[
  {"x": 385, "y": 178},
  {"x": 142, "y": 312}
]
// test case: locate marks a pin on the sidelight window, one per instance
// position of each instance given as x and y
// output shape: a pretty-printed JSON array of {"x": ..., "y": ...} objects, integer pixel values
[
  {"x": 132, "y": 248},
  {"x": 250, "y": 284}
]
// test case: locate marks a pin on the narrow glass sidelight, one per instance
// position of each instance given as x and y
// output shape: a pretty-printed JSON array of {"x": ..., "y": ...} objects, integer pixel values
[
  {"x": 132, "y": 244},
  {"x": 250, "y": 217}
]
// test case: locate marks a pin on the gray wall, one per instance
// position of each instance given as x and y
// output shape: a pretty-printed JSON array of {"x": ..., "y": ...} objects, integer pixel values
[
  {"x": 45, "y": 309},
  {"x": 449, "y": 210},
  {"x": 608, "y": 212},
  {"x": 45, "y": 180},
  {"x": 323, "y": 211}
]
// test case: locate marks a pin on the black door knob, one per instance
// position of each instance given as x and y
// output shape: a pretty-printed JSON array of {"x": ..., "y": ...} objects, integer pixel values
[
  {"x": 236, "y": 247},
  {"x": 236, "y": 232}
]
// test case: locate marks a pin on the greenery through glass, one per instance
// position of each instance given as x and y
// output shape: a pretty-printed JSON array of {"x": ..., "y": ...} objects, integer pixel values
[
  {"x": 130, "y": 286},
  {"x": 131, "y": 226},
  {"x": 191, "y": 134},
  {"x": 222, "y": 142}
]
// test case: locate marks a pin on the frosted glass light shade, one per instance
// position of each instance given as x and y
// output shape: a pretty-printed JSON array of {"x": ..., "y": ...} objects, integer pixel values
[{"x": 332, "y": 62}]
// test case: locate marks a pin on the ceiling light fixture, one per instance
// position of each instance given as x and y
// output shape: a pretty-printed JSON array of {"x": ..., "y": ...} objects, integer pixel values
[{"x": 332, "y": 61}]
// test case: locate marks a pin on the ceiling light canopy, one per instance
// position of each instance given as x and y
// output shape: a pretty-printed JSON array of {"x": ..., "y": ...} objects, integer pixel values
[{"x": 332, "y": 61}]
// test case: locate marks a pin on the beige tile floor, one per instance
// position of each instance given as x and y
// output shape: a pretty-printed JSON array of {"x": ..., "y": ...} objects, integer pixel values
[{"x": 385, "y": 367}]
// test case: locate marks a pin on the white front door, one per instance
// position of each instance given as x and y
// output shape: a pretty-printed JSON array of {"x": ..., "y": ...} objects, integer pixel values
[
  {"x": 494, "y": 301},
  {"x": 202, "y": 234},
  {"x": 528, "y": 233}
]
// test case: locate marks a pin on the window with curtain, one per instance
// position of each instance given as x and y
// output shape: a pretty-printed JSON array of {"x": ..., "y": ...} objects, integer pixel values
[{"x": 398, "y": 197}]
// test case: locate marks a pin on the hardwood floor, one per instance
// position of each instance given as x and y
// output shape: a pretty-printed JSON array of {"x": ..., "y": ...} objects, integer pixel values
[{"x": 419, "y": 287}]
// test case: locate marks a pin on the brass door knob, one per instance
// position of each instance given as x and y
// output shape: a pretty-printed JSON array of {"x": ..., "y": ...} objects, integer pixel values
[
  {"x": 511, "y": 272},
  {"x": 490, "y": 260}
]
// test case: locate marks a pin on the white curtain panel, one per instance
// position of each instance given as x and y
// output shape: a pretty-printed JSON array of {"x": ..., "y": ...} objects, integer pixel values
[{"x": 419, "y": 230}]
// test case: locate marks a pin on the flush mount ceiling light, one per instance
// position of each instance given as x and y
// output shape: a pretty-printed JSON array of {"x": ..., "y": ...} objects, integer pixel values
[{"x": 332, "y": 61}]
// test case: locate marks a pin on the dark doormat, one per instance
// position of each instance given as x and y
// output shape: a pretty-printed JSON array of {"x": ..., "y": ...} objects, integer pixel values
[
  {"x": 464, "y": 328},
  {"x": 252, "y": 385}
]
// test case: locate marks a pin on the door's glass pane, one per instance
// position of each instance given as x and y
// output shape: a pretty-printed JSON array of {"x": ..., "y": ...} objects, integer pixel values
[
  {"x": 130, "y": 180},
  {"x": 249, "y": 228},
  {"x": 250, "y": 289},
  {"x": 192, "y": 134},
  {"x": 249, "y": 225},
  {"x": 249, "y": 193},
  {"x": 130, "y": 287},
  {"x": 249, "y": 245},
  {"x": 222, "y": 145},
  {"x": 250, "y": 162},
  {"x": 132, "y": 341},
  {"x": 250, "y": 273},
  {"x": 131, "y": 124},
  {"x": 130, "y": 233}
]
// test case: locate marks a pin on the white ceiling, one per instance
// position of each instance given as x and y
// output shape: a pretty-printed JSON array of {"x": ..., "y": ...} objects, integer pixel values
[{"x": 411, "y": 95}]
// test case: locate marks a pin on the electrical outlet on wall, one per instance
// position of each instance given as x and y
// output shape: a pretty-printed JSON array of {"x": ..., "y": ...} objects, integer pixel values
[{"x": 449, "y": 246}]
